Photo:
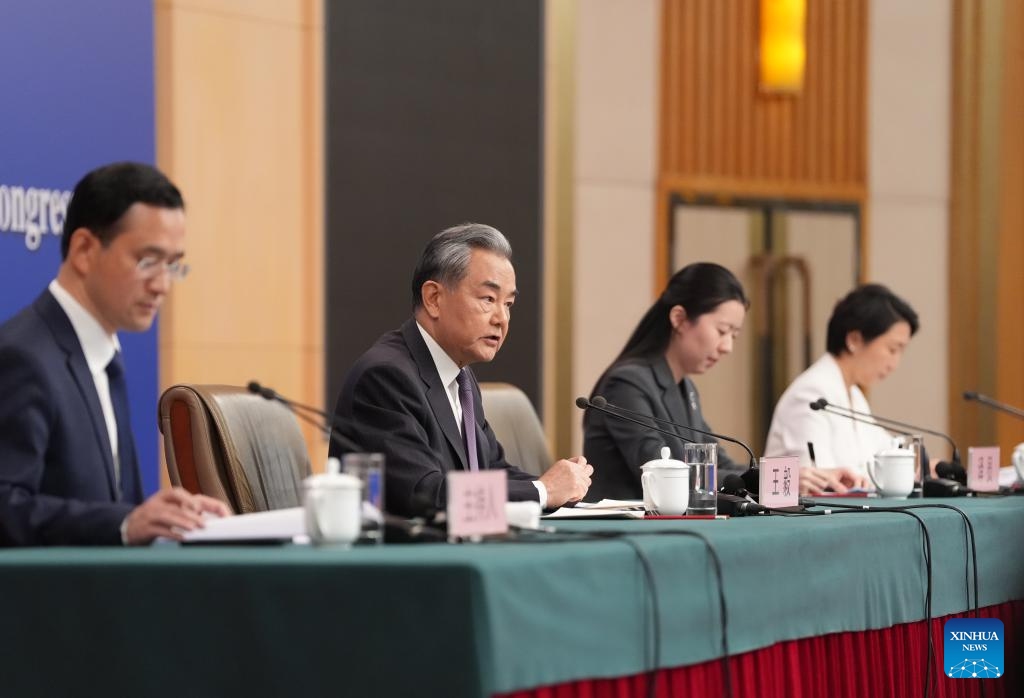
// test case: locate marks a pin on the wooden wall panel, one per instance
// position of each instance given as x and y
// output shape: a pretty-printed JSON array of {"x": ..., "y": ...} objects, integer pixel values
[
  {"x": 986, "y": 338},
  {"x": 239, "y": 129},
  {"x": 721, "y": 135},
  {"x": 1010, "y": 249},
  {"x": 719, "y": 131},
  {"x": 986, "y": 330}
]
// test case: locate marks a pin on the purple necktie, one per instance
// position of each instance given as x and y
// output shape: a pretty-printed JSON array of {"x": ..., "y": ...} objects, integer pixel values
[{"x": 468, "y": 417}]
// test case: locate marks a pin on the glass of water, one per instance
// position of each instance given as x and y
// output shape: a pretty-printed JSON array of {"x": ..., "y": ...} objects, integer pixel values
[
  {"x": 369, "y": 468},
  {"x": 703, "y": 462}
]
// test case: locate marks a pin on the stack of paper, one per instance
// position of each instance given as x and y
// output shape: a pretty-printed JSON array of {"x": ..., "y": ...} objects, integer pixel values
[
  {"x": 605, "y": 509},
  {"x": 281, "y": 524}
]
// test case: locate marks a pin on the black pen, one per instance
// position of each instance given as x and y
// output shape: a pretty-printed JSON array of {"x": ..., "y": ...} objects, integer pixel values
[{"x": 810, "y": 450}]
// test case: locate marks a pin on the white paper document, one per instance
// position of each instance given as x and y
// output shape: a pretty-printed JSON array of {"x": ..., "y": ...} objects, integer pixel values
[
  {"x": 281, "y": 524},
  {"x": 612, "y": 504},
  {"x": 596, "y": 513}
]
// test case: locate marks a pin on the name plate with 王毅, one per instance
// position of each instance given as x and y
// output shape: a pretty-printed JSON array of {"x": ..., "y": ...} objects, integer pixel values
[{"x": 779, "y": 482}]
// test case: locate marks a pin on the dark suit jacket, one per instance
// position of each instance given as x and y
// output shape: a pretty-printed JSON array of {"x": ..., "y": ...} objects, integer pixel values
[
  {"x": 56, "y": 471},
  {"x": 617, "y": 448},
  {"x": 395, "y": 404}
]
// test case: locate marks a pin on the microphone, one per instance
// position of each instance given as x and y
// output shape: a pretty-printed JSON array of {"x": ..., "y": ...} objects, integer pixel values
[
  {"x": 396, "y": 529},
  {"x": 955, "y": 486},
  {"x": 824, "y": 406},
  {"x": 583, "y": 403},
  {"x": 732, "y": 505},
  {"x": 868, "y": 417},
  {"x": 733, "y": 484},
  {"x": 332, "y": 428},
  {"x": 941, "y": 487},
  {"x": 951, "y": 471},
  {"x": 985, "y": 400},
  {"x": 750, "y": 477}
]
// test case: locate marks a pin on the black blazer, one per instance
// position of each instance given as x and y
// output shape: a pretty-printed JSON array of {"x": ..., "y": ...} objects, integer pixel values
[
  {"x": 393, "y": 403},
  {"x": 56, "y": 470},
  {"x": 617, "y": 448}
]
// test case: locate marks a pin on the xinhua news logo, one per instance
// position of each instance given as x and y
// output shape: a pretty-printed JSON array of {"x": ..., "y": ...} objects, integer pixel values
[{"x": 973, "y": 648}]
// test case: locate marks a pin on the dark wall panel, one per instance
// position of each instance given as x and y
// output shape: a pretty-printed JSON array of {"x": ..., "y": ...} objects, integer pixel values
[{"x": 433, "y": 118}]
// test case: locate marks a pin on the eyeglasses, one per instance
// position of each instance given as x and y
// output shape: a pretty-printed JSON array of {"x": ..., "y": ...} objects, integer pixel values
[{"x": 148, "y": 268}]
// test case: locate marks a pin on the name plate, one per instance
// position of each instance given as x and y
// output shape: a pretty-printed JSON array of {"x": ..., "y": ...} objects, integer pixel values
[
  {"x": 780, "y": 482},
  {"x": 983, "y": 468},
  {"x": 476, "y": 503}
]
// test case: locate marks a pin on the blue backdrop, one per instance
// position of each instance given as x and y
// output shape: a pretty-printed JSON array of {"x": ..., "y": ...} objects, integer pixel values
[{"x": 76, "y": 91}]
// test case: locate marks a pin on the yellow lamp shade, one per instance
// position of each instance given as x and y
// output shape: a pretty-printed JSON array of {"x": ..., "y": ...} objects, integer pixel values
[{"x": 783, "y": 45}]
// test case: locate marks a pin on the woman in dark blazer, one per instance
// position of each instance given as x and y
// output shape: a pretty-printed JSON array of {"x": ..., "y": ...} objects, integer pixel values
[{"x": 685, "y": 333}]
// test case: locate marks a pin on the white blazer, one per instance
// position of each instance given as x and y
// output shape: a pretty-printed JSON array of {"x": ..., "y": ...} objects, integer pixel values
[{"x": 838, "y": 441}]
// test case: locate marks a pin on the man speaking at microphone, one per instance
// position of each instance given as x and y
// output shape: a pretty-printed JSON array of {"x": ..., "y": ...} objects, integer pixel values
[{"x": 413, "y": 397}]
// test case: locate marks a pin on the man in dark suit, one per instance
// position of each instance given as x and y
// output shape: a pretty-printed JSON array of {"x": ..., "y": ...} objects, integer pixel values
[
  {"x": 68, "y": 468},
  {"x": 412, "y": 396}
]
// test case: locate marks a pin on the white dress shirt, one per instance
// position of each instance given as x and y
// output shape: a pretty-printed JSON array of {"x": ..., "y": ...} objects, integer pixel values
[
  {"x": 838, "y": 441},
  {"x": 448, "y": 370},
  {"x": 99, "y": 348}
]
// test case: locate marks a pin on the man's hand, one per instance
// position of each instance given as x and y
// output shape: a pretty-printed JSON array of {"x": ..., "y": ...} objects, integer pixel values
[
  {"x": 567, "y": 481},
  {"x": 169, "y": 513},
  {"x": 839, "y": 480}
]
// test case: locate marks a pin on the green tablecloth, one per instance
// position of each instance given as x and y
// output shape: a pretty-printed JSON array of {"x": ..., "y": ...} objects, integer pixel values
[{"x": 473, "y": 620}]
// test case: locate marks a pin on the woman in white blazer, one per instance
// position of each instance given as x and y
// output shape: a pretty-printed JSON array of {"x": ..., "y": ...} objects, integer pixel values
[{"x": 867, "y": 334}]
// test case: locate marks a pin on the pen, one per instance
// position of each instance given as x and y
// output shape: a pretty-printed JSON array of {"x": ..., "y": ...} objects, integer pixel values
[{"x": 810, "y": 451}]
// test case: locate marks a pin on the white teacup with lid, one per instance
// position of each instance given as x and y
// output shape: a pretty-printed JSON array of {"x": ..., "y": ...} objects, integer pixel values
[
  {"x": 666, "y": 485},
  {"x": 892, "y": 472},
  {"x": 333, "y": 502},
  {"x": 1018, "y": 461}
]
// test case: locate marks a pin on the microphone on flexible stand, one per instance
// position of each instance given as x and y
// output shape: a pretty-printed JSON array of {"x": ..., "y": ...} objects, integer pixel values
[
  {"x": 750, "y": 477},
  {"x": 874, "y": 418},
  {"x": 396, "y": 529},
  {"x": 583, "y": 403},
  {"x": 994, "y": 404},
  {"x": 333, "y": 427},
  {"x": 985, "y": 400},
  {"x": 930, "y": 487},
  {"x": 727, "y": 503},
  {"x": 824, "y": 405}
]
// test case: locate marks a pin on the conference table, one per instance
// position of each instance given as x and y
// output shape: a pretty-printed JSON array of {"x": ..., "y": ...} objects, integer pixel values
[{"x": 816, "y": 605}]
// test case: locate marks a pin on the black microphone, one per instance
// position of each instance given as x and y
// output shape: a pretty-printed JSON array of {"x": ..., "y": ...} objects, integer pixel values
[
  {"x": 824, "y": 406},
  {"x": 733, "y": 484},
  {"x": 420, "y": 529},
  {"x": 941, "y": 487},
  {"x": 732, "y": 505},
  {"x": 994, "y": 404},
  {"x": 333, "y": 425},
  {"x": 951, "y": 471},
  {"x": 583, "y": 403},
  {"x": 750, "y": 477},
  {"x": 846, "y": 411},
  {"x": 952, "y": 478}
]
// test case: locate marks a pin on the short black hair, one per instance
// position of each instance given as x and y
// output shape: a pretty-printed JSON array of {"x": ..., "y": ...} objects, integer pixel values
[
  {"x": 870, "y": 309},
  {"x": 102, "y": 197}
]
